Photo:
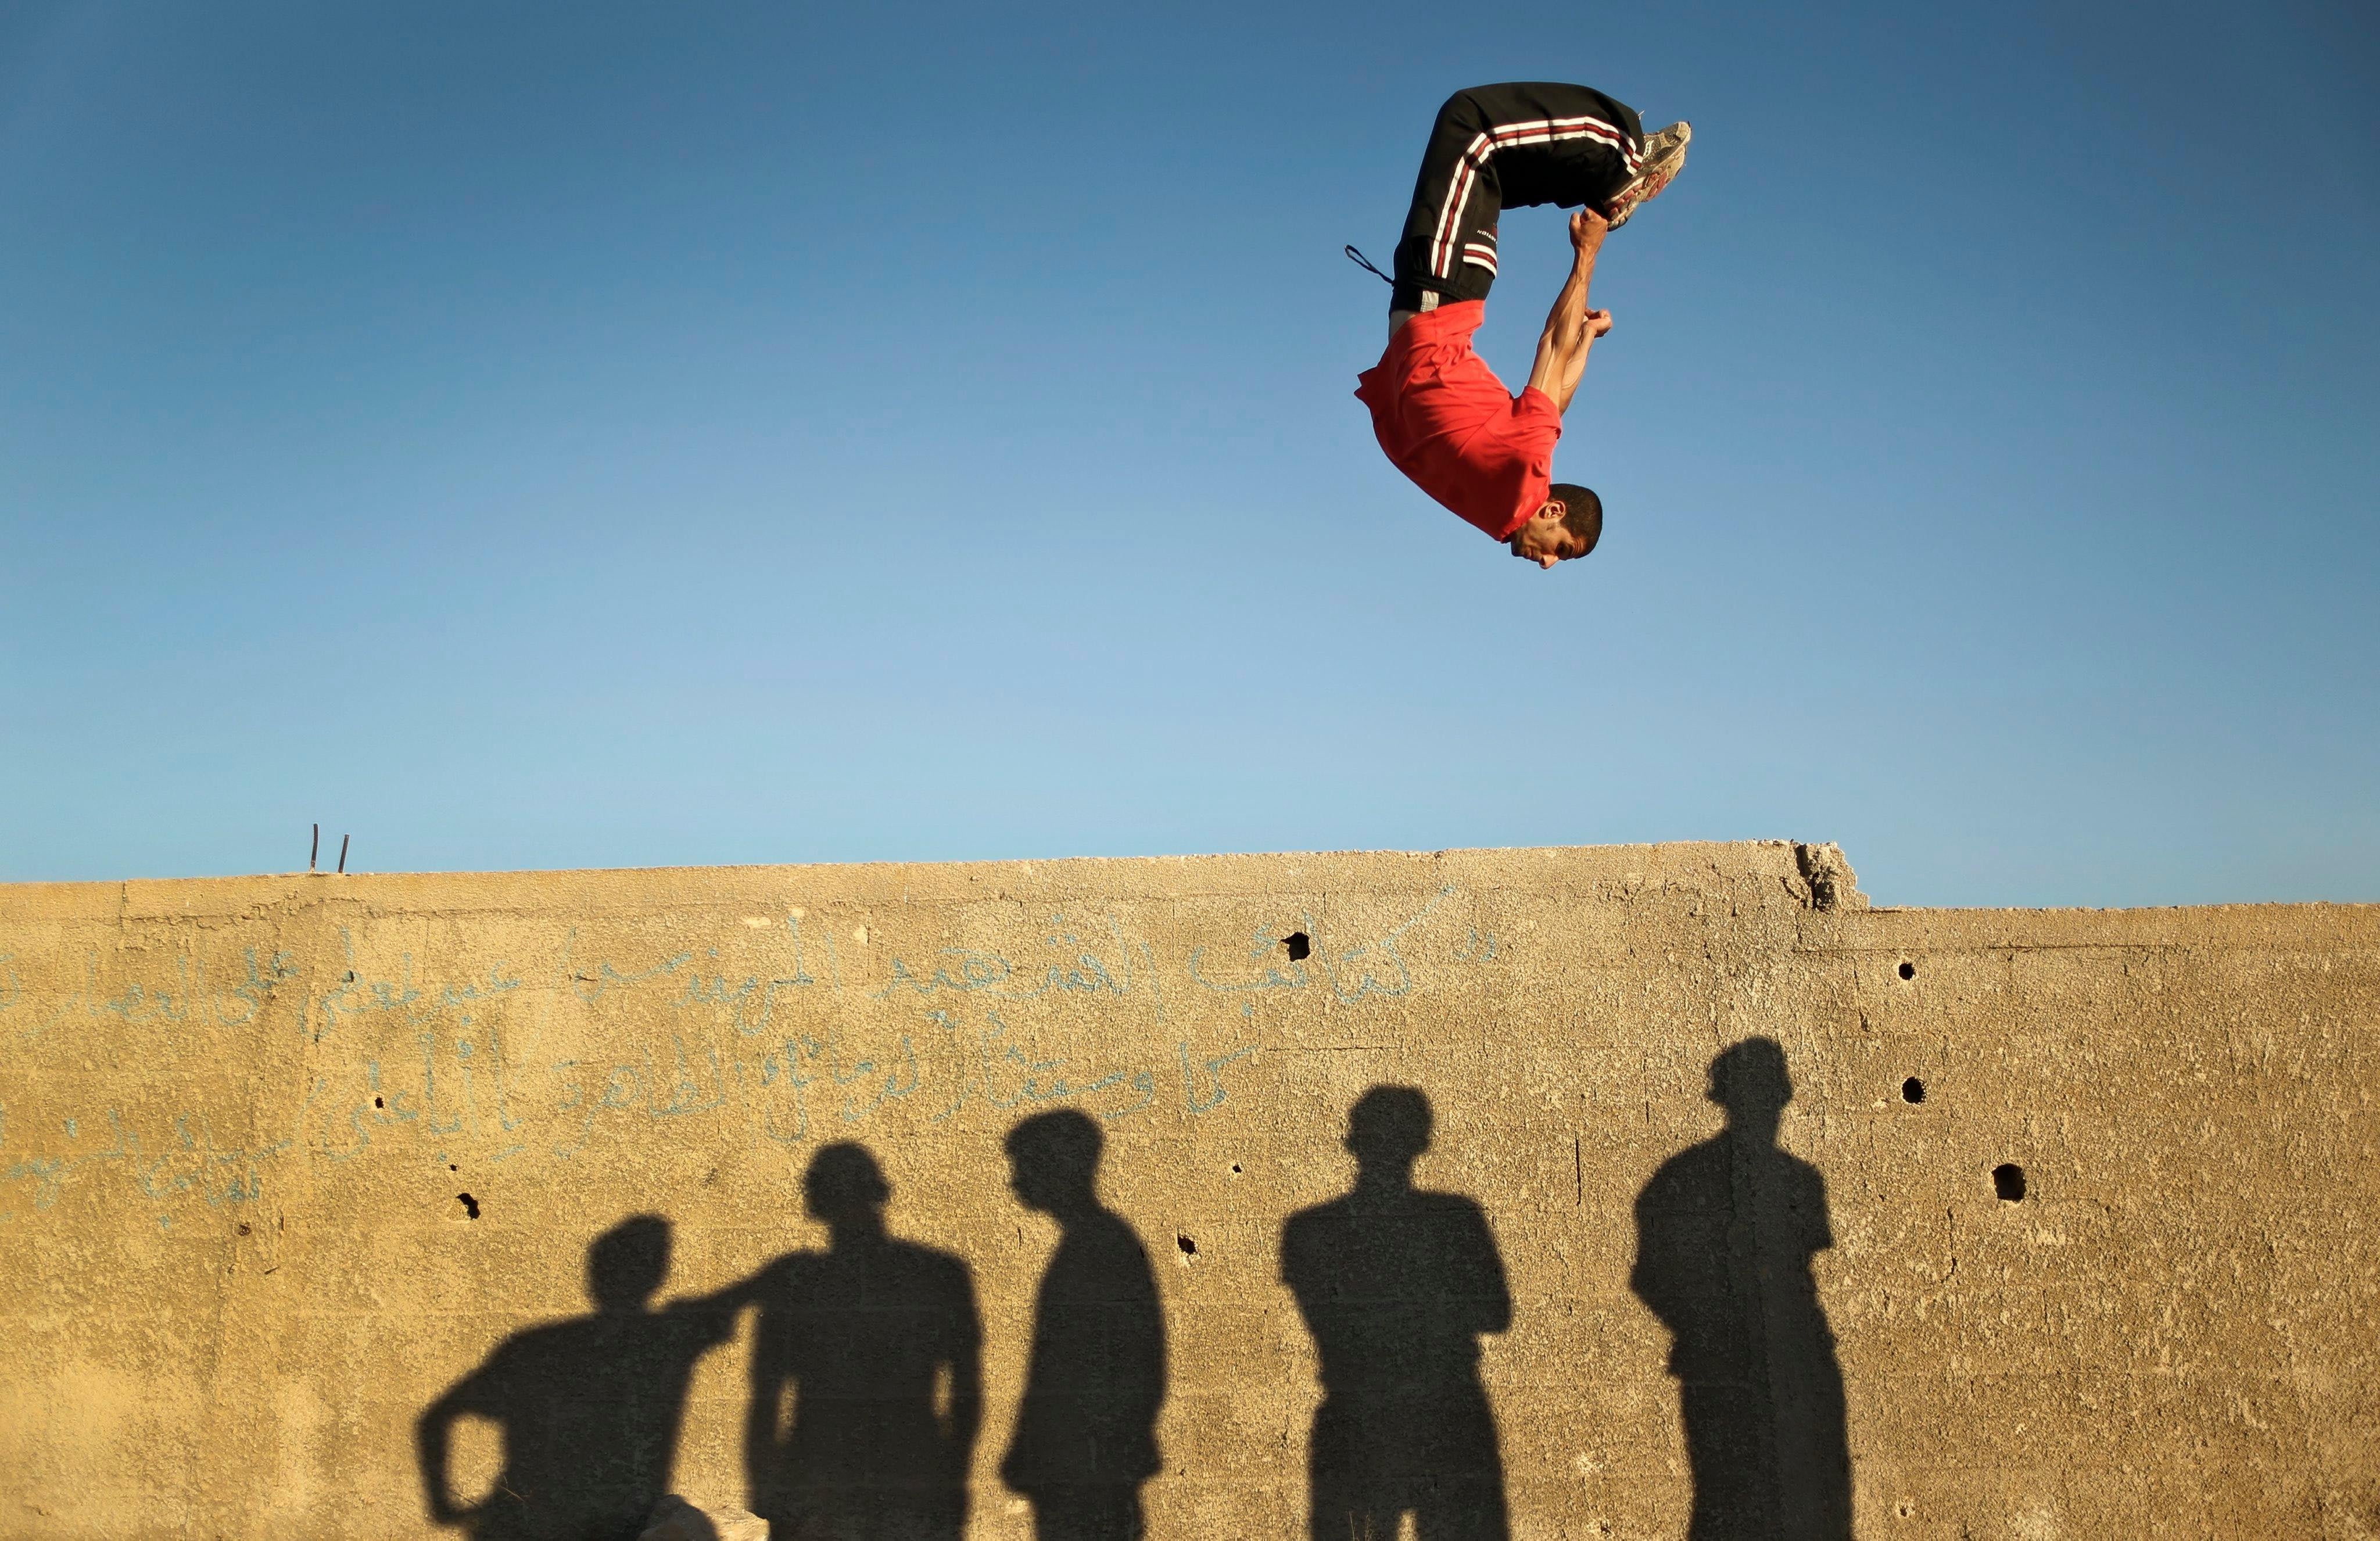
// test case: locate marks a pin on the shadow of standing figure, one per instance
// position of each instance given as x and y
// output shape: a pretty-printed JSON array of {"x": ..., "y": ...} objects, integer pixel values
[
  {"x": 1724, "y": 1235},
  {"x": 877, "y": 1345},
  {"x": 1087, "y": 1429},
  {"x": 1396, "y": 1285},
  {"x": 589, "y": 1408}
]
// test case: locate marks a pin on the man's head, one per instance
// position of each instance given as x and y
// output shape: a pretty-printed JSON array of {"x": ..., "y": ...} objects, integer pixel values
[
  {"x": 1748, "y": 1079},
  {"x": 844, "y": 1186},
  {"x": 1054, "y": 1162},
  {"x": 627, "y": 1263},
  {"x": 1567, "y": 525},
  {"x": 1389, "y": 1128}
]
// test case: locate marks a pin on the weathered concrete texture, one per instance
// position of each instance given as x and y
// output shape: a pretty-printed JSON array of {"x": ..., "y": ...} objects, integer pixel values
[{"x": 288, "y": 1163}]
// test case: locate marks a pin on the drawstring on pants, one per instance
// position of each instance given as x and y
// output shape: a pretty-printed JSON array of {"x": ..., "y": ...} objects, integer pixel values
[{"x": 1366, "y": 263}]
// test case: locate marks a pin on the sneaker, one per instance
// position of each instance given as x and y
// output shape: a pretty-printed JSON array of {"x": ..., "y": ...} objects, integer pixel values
[{"x": 1665, "y": 156}]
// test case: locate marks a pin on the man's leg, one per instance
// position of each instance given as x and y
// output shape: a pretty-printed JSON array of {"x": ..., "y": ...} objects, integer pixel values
[
  {"x": 1495, "y": 147},
  {"x": 1089, "y": 1514},
  {"x": 1463, "y": 1496},
  {"x": 1354, "y": 1465}
]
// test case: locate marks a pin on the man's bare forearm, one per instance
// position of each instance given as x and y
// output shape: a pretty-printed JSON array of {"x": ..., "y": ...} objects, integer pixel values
[
  {"x": 1571, "y": 326},
  {"x": 1562, "y": 351}
]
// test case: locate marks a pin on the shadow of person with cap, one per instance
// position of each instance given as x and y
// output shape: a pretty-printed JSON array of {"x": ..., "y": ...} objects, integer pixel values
[
  {"x": 1397, "y": 1284},
  {"x": 589, "y": 1407},
  {"x": 867, "y": 1375},
  {"x": 1725, "y": 1231},
  {"x": 1087, "y": 1429}
]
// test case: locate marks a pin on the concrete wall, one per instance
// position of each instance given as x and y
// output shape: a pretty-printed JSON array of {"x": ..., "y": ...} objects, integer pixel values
[{"x": 240, "y": 1119}]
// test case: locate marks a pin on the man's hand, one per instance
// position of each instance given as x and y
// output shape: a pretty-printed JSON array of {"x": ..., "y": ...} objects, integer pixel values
[
  {"x": 1598, "y": 324},
  {"x": 1587, "y": 229}
]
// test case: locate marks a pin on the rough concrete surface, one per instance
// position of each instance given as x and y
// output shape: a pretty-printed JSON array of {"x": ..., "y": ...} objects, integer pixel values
[{"x": 303, "y": 1179}]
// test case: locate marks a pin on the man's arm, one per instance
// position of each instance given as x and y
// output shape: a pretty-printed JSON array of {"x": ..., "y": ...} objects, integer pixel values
[
  {"x": 1484, "y": 1291},
  {"x": 771, "y": 1368},
  {"x": 430, "y": 1443},
  {"x": 963, "y": 1354},
  {"x": 1572, "y": 328}
]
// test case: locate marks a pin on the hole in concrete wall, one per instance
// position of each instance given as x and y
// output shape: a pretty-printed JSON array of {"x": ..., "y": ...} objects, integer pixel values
[
  {"x": 1235, "y": 1168},
  {"x": 2008, "y": 1180},
  {"x": 452, "y": 1167},
  {"x": 243, "y": 1228},
  {"x": 1913, "y": 1090},
  {"x": 1189, "y": 1248},
  {"x": 380, "y": 1103},
  {"x": 1909, "y": 971},
  {"x": 470, "y": 1206},
  {"x": 1301, "y": 946}
]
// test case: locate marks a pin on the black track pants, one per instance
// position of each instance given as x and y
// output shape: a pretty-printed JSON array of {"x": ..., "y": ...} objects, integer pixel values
[{"x": 1499, "y": 147}]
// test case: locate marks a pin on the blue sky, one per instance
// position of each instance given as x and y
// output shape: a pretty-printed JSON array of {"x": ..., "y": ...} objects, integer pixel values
[{"x": 628, "y": 435}]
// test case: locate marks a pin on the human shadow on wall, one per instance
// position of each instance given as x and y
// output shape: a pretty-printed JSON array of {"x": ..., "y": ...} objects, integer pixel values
[
  {"x": 1397, "y": 1284},
  {"x": 867, "y": 1375},
  {"x": 1725, "y": 1231},
  {"x": 588, "y": 1408},
  {"x": 1085, "y": 1435}
]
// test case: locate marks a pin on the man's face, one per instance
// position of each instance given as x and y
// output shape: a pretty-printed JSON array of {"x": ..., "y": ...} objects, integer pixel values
[
  {"x": 1029, "y": 1181},
  {"x": 1020, "y": 1182},
  {"x": 1545, "y": 540}
]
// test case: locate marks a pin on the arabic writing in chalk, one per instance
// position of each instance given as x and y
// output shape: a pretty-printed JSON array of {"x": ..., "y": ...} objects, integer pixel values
[
  {"x": 186, "y": 1161},
  {"x": 434, "y": 1071},
  {"x": 192, "y": 995},
  {"x": 965, "y": 970}
]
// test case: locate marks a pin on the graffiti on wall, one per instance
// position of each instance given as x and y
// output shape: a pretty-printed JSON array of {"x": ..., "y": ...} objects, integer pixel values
[{"x": 754, "y": 1037}]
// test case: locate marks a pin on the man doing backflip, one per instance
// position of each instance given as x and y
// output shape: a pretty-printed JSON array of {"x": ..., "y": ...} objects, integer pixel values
[{"x": 1441, "y": 414}]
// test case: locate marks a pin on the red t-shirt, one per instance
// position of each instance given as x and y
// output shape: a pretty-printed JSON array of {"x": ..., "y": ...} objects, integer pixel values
[{"x": 1445, "y": 421}]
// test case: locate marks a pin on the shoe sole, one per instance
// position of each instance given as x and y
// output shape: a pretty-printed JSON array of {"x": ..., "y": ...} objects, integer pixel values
[{"x": 1659, "y": 171}]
